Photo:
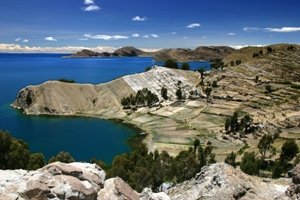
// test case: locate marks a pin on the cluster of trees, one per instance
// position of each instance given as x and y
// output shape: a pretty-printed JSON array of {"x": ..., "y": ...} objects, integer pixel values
[
  {"x": 291, "y": 48},
  {"x": 15, "y": 154},
  {"x": 235, "y": 63},
  {"x": 252, "y": 163},
  {"x": 217, "y": 64},
  {"x": 174, "y": 65},
  {"x": 233, "y": 124},
  {"x": 142, "y": 98},
  {"x": 141, "y": 169},
  {"x": 257, "y": 55}
]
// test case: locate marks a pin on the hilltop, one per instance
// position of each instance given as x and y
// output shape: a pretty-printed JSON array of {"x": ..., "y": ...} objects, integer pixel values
[{"x": 200, "y": 53}]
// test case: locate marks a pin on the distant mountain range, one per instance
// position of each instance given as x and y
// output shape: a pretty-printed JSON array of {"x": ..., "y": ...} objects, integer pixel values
[{"x": 179, "y": 54}]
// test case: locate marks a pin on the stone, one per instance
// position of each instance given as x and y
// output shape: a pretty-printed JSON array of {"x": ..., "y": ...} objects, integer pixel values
[
  {"x": 117, "y": 189},
  {"x": 54, "y": 181},
  {"x": 147, "y": 194}
]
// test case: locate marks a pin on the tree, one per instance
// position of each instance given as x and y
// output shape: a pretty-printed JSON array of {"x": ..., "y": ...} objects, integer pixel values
[
  {"x": 5, "y": 142},
  {"x": 265, "y": 145},
  {"x": 277, "y": 170},
  {"x": 62, "y": 156},
  {"x": 208, "y": 91},
  {"x": 201, "y": 71},
  {"x": 36, "y": 161},
  {"x": 227, "y": 124},
  {"x": 185, "y": 66},
  {"x": 18, "y": 155},
  {"x": 288, "y": 151},
  {"x": 171, "y": 64},
  {"x": 179, "y": 94},
  {"x": 269, "y": 50},
  {"x": 232, "y": 63},
  {"x": 256, "y": 78},
  {"x": 234, "y": 122},
  {"x": 246, "y": 122},
  {"x": 214, "y": 84},
  {"x": 164, "y": 93},
  {"x": 249, "y": 164},
  {"x": 230, "y": 159},
  {"x": 196, "y": 144}
]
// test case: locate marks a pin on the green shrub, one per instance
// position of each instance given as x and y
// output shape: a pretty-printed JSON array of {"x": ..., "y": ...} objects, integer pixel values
[
  {"x": 66, "y": 80},
  {"x": 250, "y": 164},
  {"x": 62, "y": 156}
]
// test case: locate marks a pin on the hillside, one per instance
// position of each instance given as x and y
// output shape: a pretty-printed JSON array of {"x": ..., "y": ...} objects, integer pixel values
[
  {"x": 84, "y": 181},
  {"x": 267, "y": 88},
  {"x": 200, "y": 53}
]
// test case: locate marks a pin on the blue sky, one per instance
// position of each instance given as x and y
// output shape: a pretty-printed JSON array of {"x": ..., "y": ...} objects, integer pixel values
[{"x": 38, "y": 24}]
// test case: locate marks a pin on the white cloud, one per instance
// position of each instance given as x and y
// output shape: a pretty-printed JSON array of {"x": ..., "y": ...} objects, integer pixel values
[
  {"x": 146, "y": 36},
  {"x": 204, "y": 37},
  {"x": 193, "y": 25},
  {"x": 149, "y": 49},
  {"x": 231, "y": 34},
  {"x": 83, "y": 39},
  {"x": 50, "y": 39},
  {"x": 18, "y": 39},
  {"x": 173, "y": 33},
  {"x": 135, "y": 35},
  {"x": 88, "y": 2},
  {"x": 25, "y": 40},
  {"x": 154, "y": 35},
  {"x": 250, "y": 29},
  {"x": 242, "y": 46},
  {"x": 138, "y": 18},
  {"x": 283, "y": 29},
  {"x": 16, "y": 48},
  {"x": 185, "y": 37},
  {"x": 105, "y": 37},
  {"x": 92, "y": 7}
]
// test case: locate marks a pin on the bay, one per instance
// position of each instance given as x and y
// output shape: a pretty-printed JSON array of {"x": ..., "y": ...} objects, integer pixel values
[{"x": 84, "y": 138}]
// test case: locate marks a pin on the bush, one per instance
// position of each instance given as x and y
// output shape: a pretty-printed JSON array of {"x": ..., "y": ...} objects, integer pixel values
[
  {"x": 295, "y": 86},
  {"x": 288, "y": 151},
  {"x": 143, "y": 97},
  {"x": 171, "y": 64},
  {"x": 249, "y": 164},
  {"x": 230, "y": 159},
  {"x": 277, "y": 170},
  {"x": 179, "y": 94},
  {"x": 36, "y": 161},
  {"x": 62, "y": 156},
  {"x": 164, "y": 93},
  {"x": 185, "y": 66},
  {"x": 66, "y": 80}
]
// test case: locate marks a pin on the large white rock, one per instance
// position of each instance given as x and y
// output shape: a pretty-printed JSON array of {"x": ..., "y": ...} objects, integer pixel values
[{"x": 54, "y": 181}]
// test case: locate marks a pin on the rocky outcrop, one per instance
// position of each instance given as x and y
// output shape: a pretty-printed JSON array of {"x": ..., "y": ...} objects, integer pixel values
[
  {"x": 116, "y": 188},
  {"x": 83, "y": 181},
  {"x": 221, "y": 181},
  {"x": 294, "y": 190},
  {"x": 54, "y": 181}
]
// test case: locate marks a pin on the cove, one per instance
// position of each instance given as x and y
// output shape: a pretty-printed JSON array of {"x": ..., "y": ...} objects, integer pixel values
[{"x": 84, "y": 138}]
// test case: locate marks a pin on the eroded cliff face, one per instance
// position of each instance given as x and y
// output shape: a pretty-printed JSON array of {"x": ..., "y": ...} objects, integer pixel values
[{"x": 84, "y": 181}]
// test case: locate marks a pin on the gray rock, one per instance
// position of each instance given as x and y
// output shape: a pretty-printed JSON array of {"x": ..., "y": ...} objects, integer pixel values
[
  {"x": 147, "y": 194},
  {"x": 117, "y": 189},
  {"x": 54, "y": 181}
]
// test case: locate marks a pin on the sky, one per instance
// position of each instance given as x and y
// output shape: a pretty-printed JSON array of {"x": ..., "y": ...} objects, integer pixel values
[{"x": 104, "y": 25}]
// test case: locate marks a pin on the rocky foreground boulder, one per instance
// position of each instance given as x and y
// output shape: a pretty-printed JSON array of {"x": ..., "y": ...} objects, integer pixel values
[
  {"x": 76, "y": 181},
  {"x": 294, "y": 190}
]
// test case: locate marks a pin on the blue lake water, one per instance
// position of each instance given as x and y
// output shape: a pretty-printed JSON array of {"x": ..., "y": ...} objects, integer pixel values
[{"x": 84, "y": 138}]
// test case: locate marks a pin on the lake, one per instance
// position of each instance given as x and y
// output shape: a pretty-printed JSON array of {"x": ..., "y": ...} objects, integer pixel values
[{"x": 84, "y": 138}]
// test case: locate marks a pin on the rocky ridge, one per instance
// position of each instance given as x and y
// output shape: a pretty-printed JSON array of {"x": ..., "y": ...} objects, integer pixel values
[{"x": 87, "y": 181}]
